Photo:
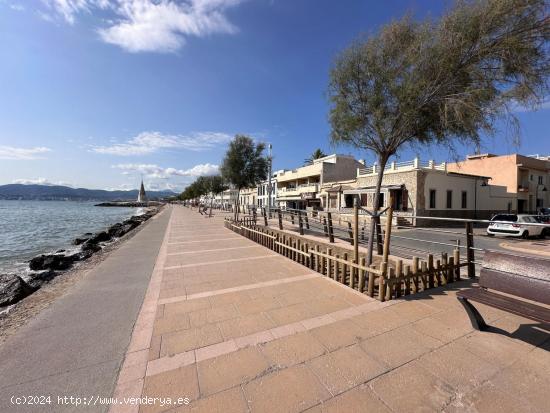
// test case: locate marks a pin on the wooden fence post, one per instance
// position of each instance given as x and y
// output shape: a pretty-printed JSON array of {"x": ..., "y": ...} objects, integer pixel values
[
  {"x": 330, "y": 229},
  {"x": 470, "y": 257},
  {"x": 329, "y": 263},
  {"x": 445, "y": 271},
  {"x": 430, "y": 271},
  {"x": 387, "y": 235},
  {"x": 325, "y": 227},
  {"x": 344, "y": 269},
  {"x": 415, "y": 274},
  {"x": 300, "y": 223},
  {"x": 382, "y": 281},
  {"x": 456, "y": 257},
  {"x": 362, "y": 275}
]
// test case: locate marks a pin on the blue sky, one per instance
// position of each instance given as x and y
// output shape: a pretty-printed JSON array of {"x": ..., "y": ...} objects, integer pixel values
[{"x": 96, "y": 92}]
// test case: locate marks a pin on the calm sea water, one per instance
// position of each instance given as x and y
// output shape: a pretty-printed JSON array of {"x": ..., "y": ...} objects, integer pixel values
[{"x": 29, "y": 228}]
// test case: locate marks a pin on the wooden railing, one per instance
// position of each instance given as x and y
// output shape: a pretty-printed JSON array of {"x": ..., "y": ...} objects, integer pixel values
[{"x": 384, "y": 280}]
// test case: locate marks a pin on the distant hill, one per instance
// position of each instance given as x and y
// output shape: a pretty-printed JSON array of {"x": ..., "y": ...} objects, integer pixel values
[{"x": 54, "y": 193}]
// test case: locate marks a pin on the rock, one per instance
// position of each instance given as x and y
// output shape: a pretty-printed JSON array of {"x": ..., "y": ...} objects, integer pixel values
[
  {"x": 51, "y": 261},
  {"x": 99, "y": 237},
  {"x": 90, "y": 246},
  {"x": 13, "y": 289},
  {"x": 118, "y": 230},
  {"x": 59, "y": 251},
  {"x": 36, "y": 279},
  {"x": 78, "y": 241}
]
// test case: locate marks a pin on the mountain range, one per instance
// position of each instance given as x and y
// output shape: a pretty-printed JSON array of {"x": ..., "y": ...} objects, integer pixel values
[{"x": 57, "y": 192}]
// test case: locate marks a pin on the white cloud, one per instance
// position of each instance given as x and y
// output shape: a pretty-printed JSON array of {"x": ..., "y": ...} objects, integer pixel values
[
  {"x": 40, "y": 181},
  {"x": 13, "y": 153},
  {"x": 151, "y": 25},
  {"x": 17, "y": 7},
  {"x": 149, "y": 142},
  {"x": 155, "y": 171}
]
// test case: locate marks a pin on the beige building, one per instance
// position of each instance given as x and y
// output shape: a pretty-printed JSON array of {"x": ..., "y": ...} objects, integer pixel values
[
  {"x": 299, "y": 188},
  {"x": 526, "y": 178},
  {"x": 248, "y": 196},
  {"x": 422, "y": 189}
]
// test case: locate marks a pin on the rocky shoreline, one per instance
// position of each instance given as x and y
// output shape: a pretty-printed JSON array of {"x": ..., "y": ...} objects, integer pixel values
[{"x": 46, "y": 267}]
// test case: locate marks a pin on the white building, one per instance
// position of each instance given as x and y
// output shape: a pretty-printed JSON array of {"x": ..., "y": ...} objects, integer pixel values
[{"x": 263, "y": 192}]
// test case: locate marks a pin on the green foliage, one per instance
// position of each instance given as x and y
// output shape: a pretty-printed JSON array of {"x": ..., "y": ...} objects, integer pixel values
[
  {"x": 440, "y": 82},
  {"x": 244, "y": 165},
  {"x": 204, "y": 185},
  {"x": 216, "y": 184},
  {"x": 317, "y": 154}
]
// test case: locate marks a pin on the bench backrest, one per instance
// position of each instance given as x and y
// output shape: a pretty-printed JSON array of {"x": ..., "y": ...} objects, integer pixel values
[{"x": 524, "y": 277}]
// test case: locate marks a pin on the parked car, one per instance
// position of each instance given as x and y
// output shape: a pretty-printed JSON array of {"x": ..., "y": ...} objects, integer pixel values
[{"x": 511, "y": 225}]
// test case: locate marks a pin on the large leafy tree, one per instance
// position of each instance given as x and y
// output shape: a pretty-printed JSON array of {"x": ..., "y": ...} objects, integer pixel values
[
  {"x": 244, "y": 165},
  {"x": 439, "y": 82},
  {"x": 317, "y": 154}
]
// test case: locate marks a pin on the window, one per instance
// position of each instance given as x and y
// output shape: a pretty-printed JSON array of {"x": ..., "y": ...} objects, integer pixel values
[
  {"x": 432, "y": 198},
  {"x": 530, "y": 177},
  {"x": 540, "y": 180},
  {"x": 449, "y": 199},
  {"x": 464, "y": 199},
  {"x": 381, "y": 203}
]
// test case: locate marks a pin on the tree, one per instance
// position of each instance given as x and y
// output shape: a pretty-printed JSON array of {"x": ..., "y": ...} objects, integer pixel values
[
  {"x": 216, "y": 185},
  {"x": 439, "y": 82},
  {"x": 317, "y": 154},
  {"x": 244, "y": 165}
]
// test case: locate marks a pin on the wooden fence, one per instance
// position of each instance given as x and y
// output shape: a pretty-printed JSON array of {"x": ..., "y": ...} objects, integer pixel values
[{"x": 385, "y": 280}]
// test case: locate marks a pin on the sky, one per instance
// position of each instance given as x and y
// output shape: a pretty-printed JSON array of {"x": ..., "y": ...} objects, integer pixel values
[{"x": 97, "y": 93}]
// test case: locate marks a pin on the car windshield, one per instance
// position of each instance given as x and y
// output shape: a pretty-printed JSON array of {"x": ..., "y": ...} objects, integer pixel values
[{"x": 502, "y": 217}]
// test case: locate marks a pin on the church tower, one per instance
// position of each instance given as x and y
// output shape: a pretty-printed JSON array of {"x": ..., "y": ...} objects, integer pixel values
[{"x": 142, "y": 197}]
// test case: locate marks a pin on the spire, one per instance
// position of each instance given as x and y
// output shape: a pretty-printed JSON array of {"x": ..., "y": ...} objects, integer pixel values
[{"x": 142, "y": 197}]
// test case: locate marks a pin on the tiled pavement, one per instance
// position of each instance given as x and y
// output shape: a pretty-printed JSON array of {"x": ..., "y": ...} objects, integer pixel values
[{"x": 234, "y": 327}]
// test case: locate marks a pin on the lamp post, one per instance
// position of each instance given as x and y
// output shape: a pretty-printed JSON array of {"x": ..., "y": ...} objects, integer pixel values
[{"x": 269, "y": 188}]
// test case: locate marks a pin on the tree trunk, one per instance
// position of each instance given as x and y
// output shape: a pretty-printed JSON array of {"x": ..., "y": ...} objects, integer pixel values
[
  {"x": 375, "y": 221},
  {"x": 237, "y": 206}
]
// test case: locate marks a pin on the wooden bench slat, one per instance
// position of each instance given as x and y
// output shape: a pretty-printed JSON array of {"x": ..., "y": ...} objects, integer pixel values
[{"x": 509, "y": 304}]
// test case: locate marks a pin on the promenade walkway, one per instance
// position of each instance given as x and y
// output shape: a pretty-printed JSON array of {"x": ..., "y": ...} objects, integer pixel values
[{"x": 230, "y": 326}]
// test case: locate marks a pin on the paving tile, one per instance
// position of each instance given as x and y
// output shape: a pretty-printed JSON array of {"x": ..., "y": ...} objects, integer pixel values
[
  {"x": 257, "y": 305},
  {"x": 291, "y": 314},
  {"x": 230, "y": 370},
  {"x": 492, "y": 347},
  {"x": 336, "y": 335},
  {"x": 458, "y": 367},
  {"x": 177, "y": 383},
  {"x": 228, "y": 401},
  {"x": 379, "y": 321},
  {"x": 190, "y": 339},
  {"x": 345, "y": 368},
  {"x": 246, "y": 325},
  {"x": 171, "y": 323},
  {"x": 293, "y": 349},
  {"x": 290, "y": 390},
  {"x": 410, "y": 388},
  {"x": 412, "y": 310},
  {"x": 399, "y": 346},
  {"x": 488, "y": 399},
  {"x": 185, "y": 306},
  {"x": 361, "y": 399},
  {"x": 445, "y": 326}
]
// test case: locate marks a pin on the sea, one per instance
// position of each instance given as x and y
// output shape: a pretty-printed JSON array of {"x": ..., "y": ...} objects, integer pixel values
[{"x": 30, "y": 228}]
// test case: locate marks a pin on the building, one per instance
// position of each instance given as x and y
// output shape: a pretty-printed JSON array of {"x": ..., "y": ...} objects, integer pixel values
[
  {"x": 299, "y": 188},
  {"x": 263, "y": 192},
  {"x": 142, "y": 196},
  {"x": 226, "y": 199},
  {"x": 526, "y": 178},
  {"x": 422, "y": 189},
  {"x": 248, "y": 197}
]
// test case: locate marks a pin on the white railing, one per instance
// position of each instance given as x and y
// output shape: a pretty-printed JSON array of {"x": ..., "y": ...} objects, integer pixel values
[{"x": 403, "y": 166}]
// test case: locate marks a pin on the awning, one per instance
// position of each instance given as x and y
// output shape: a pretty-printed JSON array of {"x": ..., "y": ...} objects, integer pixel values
[
  {"x": 339, "y": 188},
  {"x": 371, "y": 189}
]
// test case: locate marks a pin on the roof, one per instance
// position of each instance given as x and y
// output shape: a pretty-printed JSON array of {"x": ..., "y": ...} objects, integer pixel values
[{"x": 469, "y": 175}]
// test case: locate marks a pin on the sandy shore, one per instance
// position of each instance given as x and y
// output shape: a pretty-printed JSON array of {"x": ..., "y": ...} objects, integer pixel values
[{"x": 28, "y": 308}]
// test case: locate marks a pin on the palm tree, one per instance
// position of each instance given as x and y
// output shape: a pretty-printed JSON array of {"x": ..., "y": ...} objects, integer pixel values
[{"x": 317, "y": 154}]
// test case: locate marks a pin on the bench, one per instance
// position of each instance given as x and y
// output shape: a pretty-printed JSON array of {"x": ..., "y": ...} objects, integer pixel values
[{"x": 502, "y": 278}]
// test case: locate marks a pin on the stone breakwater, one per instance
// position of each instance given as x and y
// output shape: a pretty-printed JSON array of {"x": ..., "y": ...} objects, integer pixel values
[{"x": 46, "y": 267}]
